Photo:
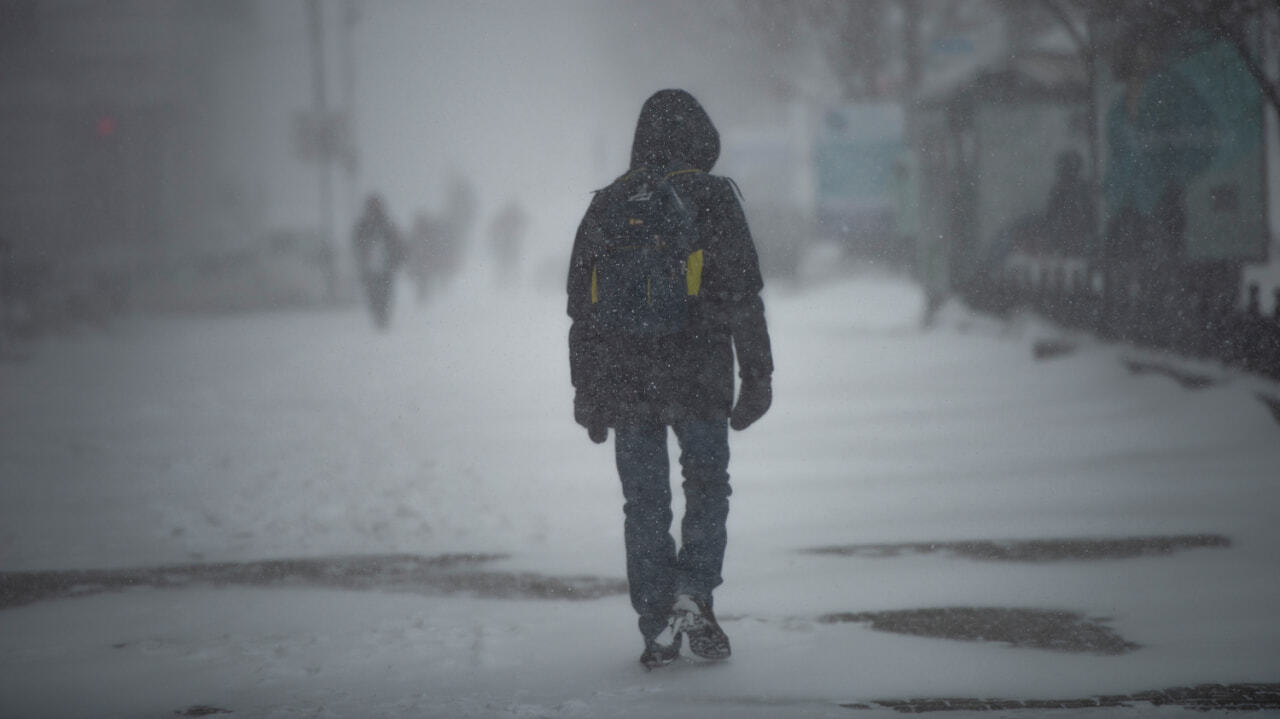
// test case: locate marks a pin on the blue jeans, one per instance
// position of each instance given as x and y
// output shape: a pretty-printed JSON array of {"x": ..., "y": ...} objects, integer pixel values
[{"x": 655, "y": 570}]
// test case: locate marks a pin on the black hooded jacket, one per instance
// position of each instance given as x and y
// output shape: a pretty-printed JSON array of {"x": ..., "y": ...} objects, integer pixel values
[{"x": 688, "y": 374}]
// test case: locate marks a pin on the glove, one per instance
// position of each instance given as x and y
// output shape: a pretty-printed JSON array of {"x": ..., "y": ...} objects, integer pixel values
[
  {"x": 598, "y": 432},
  {"x": 588, "y": 415},
  {"x": 754, "y": 398}
]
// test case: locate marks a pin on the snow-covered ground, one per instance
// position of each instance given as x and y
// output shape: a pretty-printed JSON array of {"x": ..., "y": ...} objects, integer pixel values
[{"x": 174, "y": 442}]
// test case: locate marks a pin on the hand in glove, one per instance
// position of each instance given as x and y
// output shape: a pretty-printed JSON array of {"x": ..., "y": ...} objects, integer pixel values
[
  {"x": 586, "y": 414},
  {"x": 754, "y": 399},
  {"x": 598, "y": 432}
]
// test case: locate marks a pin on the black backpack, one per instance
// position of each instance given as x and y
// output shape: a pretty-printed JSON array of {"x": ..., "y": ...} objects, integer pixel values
[{"x": 645, "y": 261}]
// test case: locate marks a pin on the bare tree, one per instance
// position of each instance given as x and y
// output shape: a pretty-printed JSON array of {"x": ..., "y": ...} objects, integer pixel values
[
  {"x": 1252, "y": 27},
  {"x": 873, "y": 47},
  {"x": 851, "y": 36},
  {"x": 879, "y": 48}
]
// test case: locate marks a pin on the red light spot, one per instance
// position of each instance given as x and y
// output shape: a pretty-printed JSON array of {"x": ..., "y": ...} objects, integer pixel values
[{"x": 106, "y": 126}]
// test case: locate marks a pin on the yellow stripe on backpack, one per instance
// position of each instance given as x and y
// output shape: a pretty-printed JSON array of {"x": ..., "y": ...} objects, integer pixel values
[{"x": 692, "y": 275}]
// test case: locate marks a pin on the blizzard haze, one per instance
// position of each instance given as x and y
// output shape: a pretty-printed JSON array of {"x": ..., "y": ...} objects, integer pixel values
[
  {"x": 527, "y": 101},
  {"x": 225, "y": 492}
]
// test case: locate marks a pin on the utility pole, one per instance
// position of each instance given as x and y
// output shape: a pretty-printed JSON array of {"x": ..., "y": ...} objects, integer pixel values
[
  {"x": 315, "y": 17},
  {"x": 350, "y": 148}
]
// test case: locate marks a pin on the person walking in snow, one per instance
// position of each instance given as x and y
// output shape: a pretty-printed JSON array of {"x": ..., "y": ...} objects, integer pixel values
[
  {"x": 506, "y": 235},
  {"x": 379, "y": 252},
  {"x": 671, "y": 374}
]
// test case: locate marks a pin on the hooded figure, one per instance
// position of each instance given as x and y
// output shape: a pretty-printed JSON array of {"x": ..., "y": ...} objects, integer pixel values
[
  {"x": 640, "y": 386},
  {"x": 690, "y": 374}
]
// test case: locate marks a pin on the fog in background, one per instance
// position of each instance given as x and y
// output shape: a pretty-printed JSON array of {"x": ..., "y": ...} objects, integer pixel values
[
  {"x": 528, "y": 101},
  {"x": 222, "y": 491},
  {"x": 148, "y": 140},
  {"x": 519, "y": 97},
  {"x": 191, "y": 156}
]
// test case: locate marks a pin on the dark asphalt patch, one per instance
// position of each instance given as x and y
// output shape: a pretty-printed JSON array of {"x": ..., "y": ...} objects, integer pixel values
[
  {"x": 442, "y": 574},
  {"x": 201, "y": 710},
  {"x": 1202, "y": 697},
  {"x": 1188, "y": 380},
  {"x": 1036, "y": 550},
  {"x": 1057, "y": 631}
]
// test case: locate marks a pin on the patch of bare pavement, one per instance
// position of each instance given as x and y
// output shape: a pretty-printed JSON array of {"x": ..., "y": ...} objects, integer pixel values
[
  {"x": 442, "y": 574},
  {"x": 1059, "y": 631},
  {"x": 1047, "y": 629},
  {"x": 1201, "y": 697},
  {"x": 1185, "y": 378},
  {"x": 1051, "y": 630},
  {"x": 1037, "y": 550}
]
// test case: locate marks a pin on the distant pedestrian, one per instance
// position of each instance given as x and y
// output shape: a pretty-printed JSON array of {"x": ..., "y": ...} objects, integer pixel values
[
  {"x": 422, "y": 261},
  {"x": 379, "y": 252},
  {"x": 1161, "y": 135},
  {"x": 1069, "y": 218},
  {"x": 506, "y": 235},
  {"x": 649, "y": 351}
]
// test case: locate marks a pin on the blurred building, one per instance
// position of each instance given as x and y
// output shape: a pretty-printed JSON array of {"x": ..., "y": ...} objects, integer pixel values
[{"x": 128, "y": 130}]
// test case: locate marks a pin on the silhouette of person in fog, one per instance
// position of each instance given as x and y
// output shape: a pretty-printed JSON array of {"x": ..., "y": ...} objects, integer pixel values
[
  {"x": 1069, "y": 218},
  {"x": 683, "y": 383},
  {"x": 423, "y": 267},
  {"x": 379, "y": 253},
  {"x": 1161, "y": 135},
  {"x": 506, "y": 235}
]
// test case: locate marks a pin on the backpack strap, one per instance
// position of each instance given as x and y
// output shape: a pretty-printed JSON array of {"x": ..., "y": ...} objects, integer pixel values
[
  {"x": 693, "y": 264},
  {"x": 741, "y": 197}
]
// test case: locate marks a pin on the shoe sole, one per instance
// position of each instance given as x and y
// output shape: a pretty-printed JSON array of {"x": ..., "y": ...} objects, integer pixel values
[
  {"x": 706, "y": 639},
  {"x": 709, "y": 645},
  {"x": 656, "y": 664},
  {"x": 659, "y": 655},
  {"x": 659, "y": 660}
]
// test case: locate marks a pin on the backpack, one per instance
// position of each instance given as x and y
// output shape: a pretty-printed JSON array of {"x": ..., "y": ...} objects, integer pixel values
[{"x": 644, "y": 261}]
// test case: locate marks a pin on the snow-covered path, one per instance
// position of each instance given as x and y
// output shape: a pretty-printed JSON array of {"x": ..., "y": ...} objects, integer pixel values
[{"x": 183, "y": 442}]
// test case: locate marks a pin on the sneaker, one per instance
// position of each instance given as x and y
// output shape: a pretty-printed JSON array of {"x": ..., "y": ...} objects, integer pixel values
[
  {"x": 695, "y": 619},
  {"x": 663, "y": 649}
]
